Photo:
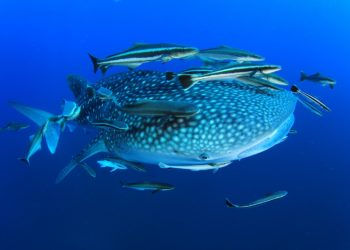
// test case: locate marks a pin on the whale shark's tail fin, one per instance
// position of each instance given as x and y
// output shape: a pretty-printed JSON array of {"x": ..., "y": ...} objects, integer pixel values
[{"x": 54, "y": 123}]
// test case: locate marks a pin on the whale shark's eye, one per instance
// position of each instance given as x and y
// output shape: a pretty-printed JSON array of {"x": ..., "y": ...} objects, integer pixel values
[{"x": 204, "y": 156}]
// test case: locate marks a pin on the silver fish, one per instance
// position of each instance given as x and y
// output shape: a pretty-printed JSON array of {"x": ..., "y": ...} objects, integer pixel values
[
  {"x": 228, "y": 53},
  {"x": 111, "y": 164},
  {"x": 151, "y": 186},
  {"x": 134, "y": 165},
  {"x": 311, "y": 100},
  {"x": 228, "y": 74},
  {"x": 35, "y": 143},
  {"x": 274, "y": 79},
  {"x": 209, "y": 166},
  {"x": 318, "y": 78},
  {"x": 106, "y": 124},
  {"x": 160, "y": 108},
  {"x": 267, "y": 198},
  {"x": 14, "y": 126},
  {"x": 255, "y": 81},
  {"x": 141, "y": 53}
]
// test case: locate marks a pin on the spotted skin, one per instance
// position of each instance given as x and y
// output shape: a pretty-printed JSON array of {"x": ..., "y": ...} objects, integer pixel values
[{"x": 232, "y": 118}]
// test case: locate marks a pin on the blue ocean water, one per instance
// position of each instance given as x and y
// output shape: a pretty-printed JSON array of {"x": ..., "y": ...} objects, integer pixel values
[{"x": 41, "y": 42}]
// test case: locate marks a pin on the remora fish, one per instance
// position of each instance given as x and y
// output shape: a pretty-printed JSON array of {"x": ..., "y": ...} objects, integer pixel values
[
  {"x": 160, "y": 108},
  {"x": 209, "y": 166},
  {"x": 110, "y": 124},
  {"x": 310, "y": 100},
  {"x": 134, "y": 165},
  {"x": 141, "y": 53},
  {"x": 267, "y": 198},
  {"x": 35, "y": 143},
  {"x": 222, "y": 53},
  {"x": 273, "y": 78},
  {"x": 151, "y": 186},
  {"x": 111, "y": 164},
  {"x": 318, "y": 78},
  {"x": 228, "y": 73},
  {"x": 14, "y": 126},
  {"x": 255, "y": 81},
  {"x": 234, "y": 121}
]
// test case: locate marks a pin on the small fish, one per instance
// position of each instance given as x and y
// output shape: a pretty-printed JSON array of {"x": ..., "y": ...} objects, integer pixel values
[
  {"x": 35, "y": 143},
  {"x": 267, "y": 198},
  {"x": 193, "y": 71},
  {"x": 273, "y": 78},
  {"x": 141, "y": 53},
  {"x": 209, "y": 166},
  {"x": 222, "y": 53},
  {"x": 214, "y": 64},
  {"x": 318, "y": 78},
  {"x": 161, "y": 108},
  {"x": 309, "y": 97},
  {"x": 293, "y": 132},
  {"x": 111, "y": 164},
  {"x": 134, "y": 165},
  {"x": 114, "y": 124},
  {"x": 228, "y": 73},
  {"x": 255, "y": 81},
  {"x": 151, "y": 186},
  {"x": 14, "y": 126}
]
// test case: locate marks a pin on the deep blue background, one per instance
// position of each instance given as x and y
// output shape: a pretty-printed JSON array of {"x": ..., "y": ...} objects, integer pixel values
[{"x": 41, "y": 42}]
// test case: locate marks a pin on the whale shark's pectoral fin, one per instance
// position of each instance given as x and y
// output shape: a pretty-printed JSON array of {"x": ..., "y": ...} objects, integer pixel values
[{"x": 95, "y": 147}]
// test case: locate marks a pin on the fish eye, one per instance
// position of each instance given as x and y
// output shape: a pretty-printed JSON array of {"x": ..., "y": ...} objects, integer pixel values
[{"x": 204, "y": 156}]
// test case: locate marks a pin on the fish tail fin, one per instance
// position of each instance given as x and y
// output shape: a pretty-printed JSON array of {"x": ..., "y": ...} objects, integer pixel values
[
  {"x": 95, "y": 62},
  {"x": 104, "y": 69},
  {"x": 162, "y": 165},
  {"x": 310, "y": 98},
  {"x": 169, "y": 75},
  {"x": 25, "y": 160},
  {"x": 155, "y": 191},
  {"x": 230, "y": 204},
  {"x": 303, "y": 76},
  {"x": 186, "y": 81}
]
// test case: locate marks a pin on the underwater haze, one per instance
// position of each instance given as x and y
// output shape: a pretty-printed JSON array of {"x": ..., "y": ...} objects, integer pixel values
[{"x": 42, "y": 42}]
